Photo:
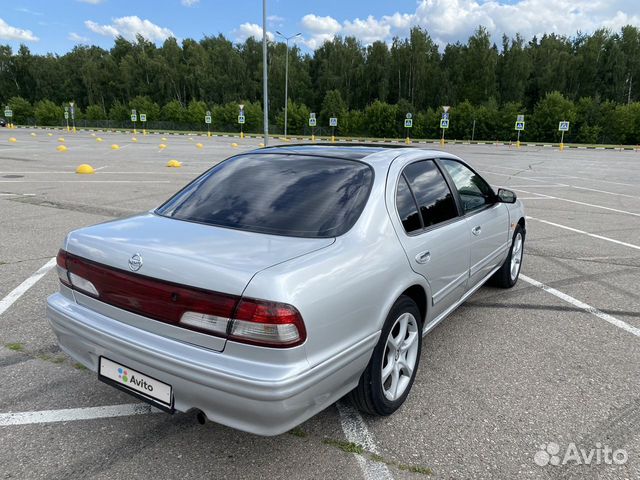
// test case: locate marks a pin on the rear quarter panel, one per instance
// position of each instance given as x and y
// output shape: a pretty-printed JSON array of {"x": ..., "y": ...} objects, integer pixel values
[{"x": 345, "y": 291}]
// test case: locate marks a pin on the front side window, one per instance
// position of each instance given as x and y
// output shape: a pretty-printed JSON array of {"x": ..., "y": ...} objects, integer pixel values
[
  {"x": 474, "y": 192},
  {"x": 278, "y": 194},
  {"x": 431, "y": 191}
]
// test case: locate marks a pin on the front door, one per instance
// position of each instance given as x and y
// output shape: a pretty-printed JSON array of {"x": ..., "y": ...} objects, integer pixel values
[
  {"x": 487, "y": 220},
  {"x": 434, "y": 237}
]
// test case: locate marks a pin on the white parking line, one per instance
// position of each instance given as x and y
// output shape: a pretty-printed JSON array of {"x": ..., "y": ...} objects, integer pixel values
[
  {"x": 594, "y": 235},
  {"x": 560, "y": 185},
  {"x": 579, "y": 203},
  {"x": 356, "y": 431},
  {"x": 583, "y": 306},
  {"x": 72, "y": 414},
  {"x": 17, "y": 292}
]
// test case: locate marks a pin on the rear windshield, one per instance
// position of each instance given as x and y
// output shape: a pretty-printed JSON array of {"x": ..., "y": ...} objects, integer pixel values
[{"x": 291, "y": 195}]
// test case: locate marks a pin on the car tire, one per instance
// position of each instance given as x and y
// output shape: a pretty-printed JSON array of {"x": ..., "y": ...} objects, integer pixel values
[
  {"x": 376, "y": 393},
  {"x": 509, "y": 272}
]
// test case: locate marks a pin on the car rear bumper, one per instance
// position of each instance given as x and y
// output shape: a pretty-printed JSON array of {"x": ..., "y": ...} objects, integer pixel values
[{"x": 201, "y": 379}]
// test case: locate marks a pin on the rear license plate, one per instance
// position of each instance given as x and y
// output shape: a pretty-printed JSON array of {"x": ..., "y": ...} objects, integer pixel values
[{"x": 141, "y": 385}]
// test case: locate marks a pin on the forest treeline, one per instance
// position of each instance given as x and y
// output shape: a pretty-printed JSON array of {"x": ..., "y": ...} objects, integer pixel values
[{"x": 589, "y": 80}]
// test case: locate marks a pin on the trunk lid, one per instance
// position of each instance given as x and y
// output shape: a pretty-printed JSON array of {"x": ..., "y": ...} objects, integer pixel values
[{"x": 190, "y": 254}]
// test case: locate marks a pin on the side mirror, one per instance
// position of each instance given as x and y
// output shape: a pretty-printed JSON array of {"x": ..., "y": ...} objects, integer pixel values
[{"x": 507, "y": 196}]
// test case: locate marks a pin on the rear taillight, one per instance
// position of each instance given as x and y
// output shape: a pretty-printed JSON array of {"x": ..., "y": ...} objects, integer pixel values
[
  {"x": 245, "y": 320},
  {"x": 266, "y": 323},
  {"x": 61, "y": 267}
]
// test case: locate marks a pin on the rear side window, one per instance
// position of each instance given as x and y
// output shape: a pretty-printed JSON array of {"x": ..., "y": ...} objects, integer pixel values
[
  {"x": 290, "y": 195},
  {"x": 432, "y": 192},
  {"x": 474, "y": 192},
  {"x": 407, "y": 208}
]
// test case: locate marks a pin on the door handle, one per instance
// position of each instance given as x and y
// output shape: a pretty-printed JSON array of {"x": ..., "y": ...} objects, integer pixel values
[
  {"x": 477, "y": 230},
  {"x": 423, "y": 257}
]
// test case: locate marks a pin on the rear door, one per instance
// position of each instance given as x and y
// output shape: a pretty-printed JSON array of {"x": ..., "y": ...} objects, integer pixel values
[
  {"x": 433, "y": 234},
  {"x": 487, "y": 219}
]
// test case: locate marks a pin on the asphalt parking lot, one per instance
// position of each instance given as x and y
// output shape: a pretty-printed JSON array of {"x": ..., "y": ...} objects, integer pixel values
[{"x": 554, "y": 360}]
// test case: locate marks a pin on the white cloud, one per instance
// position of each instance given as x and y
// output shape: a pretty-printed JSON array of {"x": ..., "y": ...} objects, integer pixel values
[
  {"x": 92, "y": 2},
  {"x": 367, "y": 31},
  {"x": 189, "y": 3},
  {"x": 74, "y": 37},
  {"x": 7, "y": 32},
  {"x": 321, "y": 29},
  {"x": 248, "y": 30},
  {"x": 129, "y": 27},
  {"x": 453, "y": 20}
]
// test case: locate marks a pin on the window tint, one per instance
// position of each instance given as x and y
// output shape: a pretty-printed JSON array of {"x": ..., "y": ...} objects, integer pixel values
[
  {"x": 432, "y": 192},
  {"x": 407, "y": 208},
  {"x": 474, "y": 191},
  {"x": 279, "y": 194}
]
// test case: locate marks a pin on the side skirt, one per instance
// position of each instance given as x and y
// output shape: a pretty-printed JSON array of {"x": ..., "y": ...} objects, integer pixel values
[{"x": 450, "y": 310}]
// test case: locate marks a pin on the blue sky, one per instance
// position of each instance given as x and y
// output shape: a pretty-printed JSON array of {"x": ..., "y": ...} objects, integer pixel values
[{"x": 56, "y": 26}]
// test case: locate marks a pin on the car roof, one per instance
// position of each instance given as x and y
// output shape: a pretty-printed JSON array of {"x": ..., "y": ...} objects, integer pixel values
[{"x": 369, "y": 153}]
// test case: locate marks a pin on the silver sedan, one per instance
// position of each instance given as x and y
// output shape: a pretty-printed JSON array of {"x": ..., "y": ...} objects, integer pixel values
[{"x": 284, "y": 278}]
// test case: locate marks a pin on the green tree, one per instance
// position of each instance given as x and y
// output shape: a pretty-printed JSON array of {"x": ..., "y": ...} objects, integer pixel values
[
  {"x": 548, "y": 113},
  {"x": 147, "y": 106},
  {"x": 22, "y": 110},
  {"x": 48, "y": 113},
  {"x": 172, "y": 111},
  {"x": 380, "y": 120},
  {"x": 95, "y": 112},
  {"x": 332, "y": 106}
]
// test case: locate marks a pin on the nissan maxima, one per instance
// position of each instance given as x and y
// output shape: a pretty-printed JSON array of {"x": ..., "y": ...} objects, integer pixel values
[{"x": 284, "y": 278}]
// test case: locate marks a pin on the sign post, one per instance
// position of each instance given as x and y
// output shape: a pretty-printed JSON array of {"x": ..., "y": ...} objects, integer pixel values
[
  {"x": 73, "y": 115},
  {"x": 241, "y": 120},
  {"x": 143, "y": 119},
  {"x": 134, "y": 119},
  {"x": 519, "y": 128},
  {"x": 9, "y": 114},
  {"x": 312, "y": 124},
  {"x": 563, "y": 127},
  {"x": 207, "y": 120},
  {"x": 444, "y": 122},
  {"x": 408, "y": 125},
  {"x": 66, "y": 117},
  {"x": 333, "y": 123}
]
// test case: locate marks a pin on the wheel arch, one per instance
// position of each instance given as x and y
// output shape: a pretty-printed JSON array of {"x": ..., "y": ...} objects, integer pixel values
[{"x": 418, "y": 294}]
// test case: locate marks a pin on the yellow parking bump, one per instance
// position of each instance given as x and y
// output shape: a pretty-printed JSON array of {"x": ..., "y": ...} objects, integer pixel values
[
  {"x": 85, "y": 169},
  {"x": 33, "y": 134},
  {"x": 98, "y": 139},
  {"x": 93, "y": 134},
  {"x": 164, "y": 139},
  {"x": 50, "y": 134},
  {"x": 134, "y": 139},
  {"x": 162, "y": 146},
  {"x": 12, "y": 139},
  {"x": 199, "y": 145},
  {"x": 261, "y": 144},
  {"x": 174, "y": 164},
  {"x": 115, "y": 147},
  {"x": 61, "y": 148},
  {"x": 61, "y": 140},
  {"x": 234, "y": 145}
]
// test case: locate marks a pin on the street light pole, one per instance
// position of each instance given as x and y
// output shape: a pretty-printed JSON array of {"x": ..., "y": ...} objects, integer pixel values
[
  {"x": 286, "y": 79},
  {"x": 265, "y": 88}
]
